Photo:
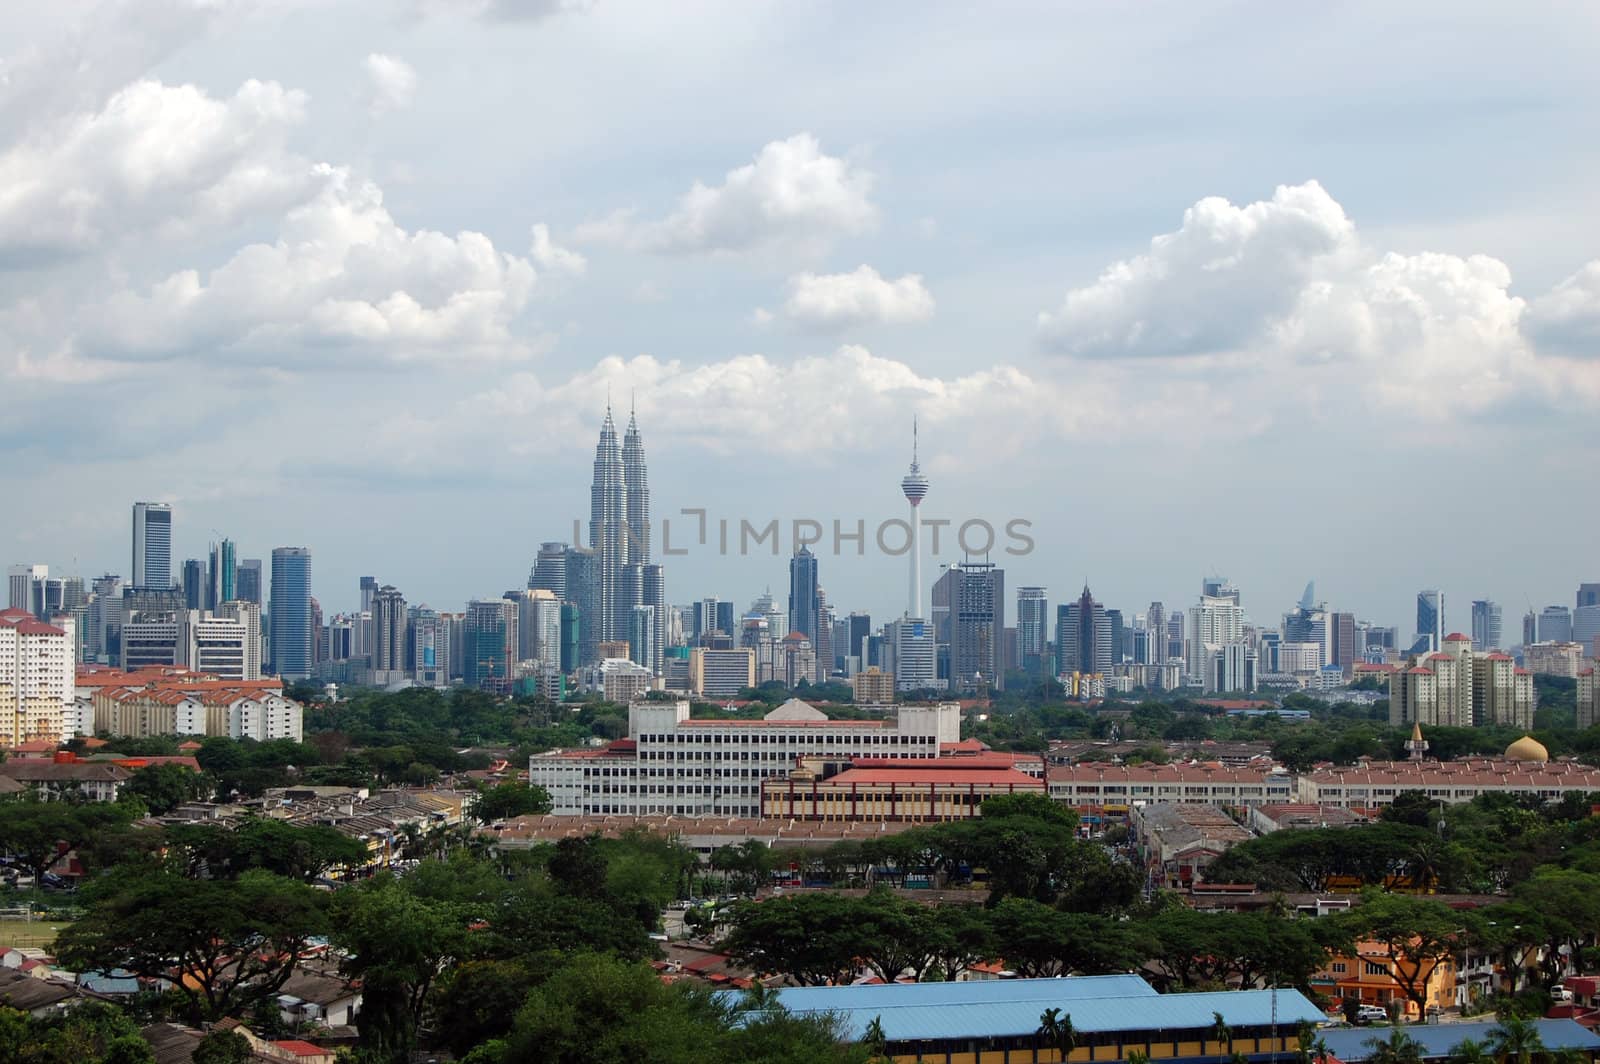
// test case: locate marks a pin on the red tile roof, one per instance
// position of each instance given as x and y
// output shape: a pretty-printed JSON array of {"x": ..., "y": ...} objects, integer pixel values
[
  {"x": 27, "y": 623},
  {"x": 1457, "y": 637},
  {"x": 948, "y": 775},
  {"x": 303, "y": 1049}
]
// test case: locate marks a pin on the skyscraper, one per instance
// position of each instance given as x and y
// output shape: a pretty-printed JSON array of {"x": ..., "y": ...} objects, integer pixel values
[
  {"x": 1430, "y": 619},
  {"x": 1156, "y": 621},
  {"x": 583, "y": 592},
  {"x": 247, "y": 581},
  {"x": 389, "y": 620},
  {"x": 1555, "y": 625},
  {"x": 289, "y": 624},
  {"x": 221, "y": 575},
  {"x": 194, "y": 584},
  {"x": 1485, "y": 625},
  {"x": 636, "y": 494},
  {"x": 608, "y": 534},
  {"x": 1033, "y": 628},
  {"x": 491, "y": 644},
  {"x": 1083, "y": 636},
  {"x": 549, "y": 571},
  {"x": 977, "y": 624},
  {"x": 1530, "y": 630},
  {"x": 26, "y": 587},
  {"x": 1588, "y": 595},
  {"x": 803, "y": 594},
  {"x": 915, "y": 487},
  {"x": 152, "y": 545}
]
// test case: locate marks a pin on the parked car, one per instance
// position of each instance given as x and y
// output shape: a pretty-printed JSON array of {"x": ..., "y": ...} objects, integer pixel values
[
  {"x": 1372, "y": 1014},
  {"x": 1560, "y": 993}
]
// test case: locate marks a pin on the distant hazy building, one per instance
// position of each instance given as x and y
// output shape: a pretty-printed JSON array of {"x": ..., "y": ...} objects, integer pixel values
[
  {"x": 1553, "y": 659},
  {"x": 872, "y": 686},
  {"x": 1033, "y": 628},
  {"x": 1555, "y": 625},
  {"x": 389, "y": 643},
  {"x": 1083, "y": 636},
  {"x": 549, "y": 572},
  {"x": 977, "y": 624},
  {"x": 222, "y": 574},
  {"x": 721, "y": 673},
  {"x": 152, "y": 544},
  {"x": 429, "y": 656},
  {"x": 249, "y": 586},
  {"x": 289, "y": 613},
  {"x": 914, "y": 664},
  {"x": 1429, "y": 620},
  {"x": 1588, "y": 595},
  {"x": 1530, "y": 628},
  {"x": 1588, "y": 698},
  {"x": 1485, "y": 625},
  {"x": 1586, "y": 629},
  {"x": 490, "y": 634},
  {"x": 1232, "y": 667},
  {"x": 803, "y": 593}
]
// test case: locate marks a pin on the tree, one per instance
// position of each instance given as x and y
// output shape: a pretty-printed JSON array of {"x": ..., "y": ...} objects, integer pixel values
[
  {"x": 1397, "y": 1048},
  {"x": 1034, "y": 806},
  {"x": 1568, "y": 906},
  {"x": 1471, "y": 1051},
  {"x": 1416, "y": 934},
  {"x": 264, "y": 843},
  {"x": 92, "y": 1032},
  {"x": 1221, "y": 1032},
  {"x": 225, "y": 944},
  {"x": 397, "y": 945},
  {"x": 166, "y": 786},
  {"x": 223, "y": 1047},
  {"x": 1056, "y": 1032},
  {"x": 39, "y": 832},
  {"x": 1516, "y": 1041},
  {"x": 511, "y": 799},
  {"x": 809, "y": 937}
]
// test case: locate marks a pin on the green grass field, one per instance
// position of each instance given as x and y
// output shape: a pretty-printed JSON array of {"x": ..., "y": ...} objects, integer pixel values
[{"x": 20, "y": 933}]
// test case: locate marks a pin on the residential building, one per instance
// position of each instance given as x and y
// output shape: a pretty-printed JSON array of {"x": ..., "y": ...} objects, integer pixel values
[
  {"x": 289, "y": 613},
  {"x": 1176, "y": 841},
  {"x": 539, "y": 628},
  {"x": 1372, "y": 975},
  {"x": 36, "y": 670},
  {"x": 1588, "y": 699},
  {"x": 152, "y": 545},
  {"x": 721, "y": 673},
  {"x": 1553, "y": 659},
  {"x": 616, "y": 679},
  {"x": 671, "y": 763},
  {"x": 1232, "y": 668},
  {"x": 390, "y": 647},
  {"x": 1459, "y": 687},
  {"x": 872, "y": 686},
  {"x": 1485, "y": 625},
  {"x": 1370, "y": 785},
  {"x": 95, "y": 781}
]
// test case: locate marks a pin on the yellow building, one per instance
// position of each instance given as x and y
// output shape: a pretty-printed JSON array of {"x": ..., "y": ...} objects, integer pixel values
[
  {"x": 1370, "y": 976},
  {"x": 872, "y": 687},
  {"x": 899, "y": 789}
]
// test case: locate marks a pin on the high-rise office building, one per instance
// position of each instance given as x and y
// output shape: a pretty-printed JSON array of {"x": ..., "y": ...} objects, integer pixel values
[
  {"x": 549, "y": 572},
  {"x": 1530, "y": 628},
  {"x": 1430, "y": 620},
  {"x": 1485, "y": 625},
  {"x": 1033, "y": 628},
  {"x": 803, "y": 594},
  {"x": 859, "y": 627},
  {"x": 25, "y": 584},
  {"x": 1586, "y": 629},
  {"x": 608, "y": 532},
  {"x": 583, "y": 592},
  {"x": 290, "y": 633},
  {"x": 1588, "y": 595},
  {"x": 430, "y": 647},
  {"x": 1083, "y": 636},
  {"x": 1156, "y": 621},
  {"x": 1555, "y": 625},
  {"x": 642, "y": 646},
  {"x": 636, "y": 494},
  {"x": 389, "y": 643},
  {"x": 248, "y": 586},
  {"x": 977, "y": 624},
  {"x": 194, "y": 583},
  {"x": 221, "y": 575},
  {"x": 152, "y": 545},
  {"x": 1345, "y": 647},
  {"x": 491, "y": 651},
  {"x": 539, "y": 627}
]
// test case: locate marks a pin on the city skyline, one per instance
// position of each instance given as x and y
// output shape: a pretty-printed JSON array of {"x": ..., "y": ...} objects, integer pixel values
[{"x": 1039, "y": 262}]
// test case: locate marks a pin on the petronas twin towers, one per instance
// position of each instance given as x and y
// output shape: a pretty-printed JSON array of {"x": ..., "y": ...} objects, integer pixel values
[{"x": 630, "y": 598}]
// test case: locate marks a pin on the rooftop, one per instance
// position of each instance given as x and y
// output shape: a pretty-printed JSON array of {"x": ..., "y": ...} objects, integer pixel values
[
  {"x": 1439, "y": 1040},
  {"x": 1010, "y": 1008}
]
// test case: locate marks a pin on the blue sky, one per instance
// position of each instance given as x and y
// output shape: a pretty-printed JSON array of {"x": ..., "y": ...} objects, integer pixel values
[{"x": 1285, "y": 293}]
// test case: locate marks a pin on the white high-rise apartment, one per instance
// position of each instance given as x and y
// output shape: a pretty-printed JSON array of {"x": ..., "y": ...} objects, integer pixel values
[
  {"x": 249, "y": 615},
  {"x": 37, "y": 678},
  {"x": 1217, "y": 621}
]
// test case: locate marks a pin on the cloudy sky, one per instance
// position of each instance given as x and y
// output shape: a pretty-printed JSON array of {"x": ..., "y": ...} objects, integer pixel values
[{"x": 1278, "y": 292}]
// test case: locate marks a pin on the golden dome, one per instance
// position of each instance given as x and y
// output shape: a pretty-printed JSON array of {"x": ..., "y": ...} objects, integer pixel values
[{"x": 1527, "y": 748}]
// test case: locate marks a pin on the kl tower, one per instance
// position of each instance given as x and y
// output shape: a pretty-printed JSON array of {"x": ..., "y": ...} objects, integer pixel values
[{"x": 915, "y": 485}]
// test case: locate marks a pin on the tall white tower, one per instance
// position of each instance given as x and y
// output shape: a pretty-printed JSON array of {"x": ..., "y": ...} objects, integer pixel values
[{"x": 915, "y": 485}]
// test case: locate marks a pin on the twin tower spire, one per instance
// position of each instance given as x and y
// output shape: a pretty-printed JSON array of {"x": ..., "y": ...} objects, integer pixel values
[{"x": 619, "y": 529}]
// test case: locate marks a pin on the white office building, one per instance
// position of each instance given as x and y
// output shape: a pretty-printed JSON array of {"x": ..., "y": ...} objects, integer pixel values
[{"x": 671, "y": 764}]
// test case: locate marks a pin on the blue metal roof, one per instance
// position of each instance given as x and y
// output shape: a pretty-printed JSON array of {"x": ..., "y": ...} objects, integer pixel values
[
  {"x": 1008, "y": 1008},
  {"x": 1440, "y": 1039}
]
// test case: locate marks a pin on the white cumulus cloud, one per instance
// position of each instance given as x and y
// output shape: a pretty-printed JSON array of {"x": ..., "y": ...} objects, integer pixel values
[
  {"x": 156, "y": 157},
  {"x": 343, "y": 280},
  {"x": 391, "y": 83},
  {"x": 1288, "y": 281},
  {"x": 827, "y": 302},
  {"x": 552, "y": 257},
  {"x": 791, "y": 196}
]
